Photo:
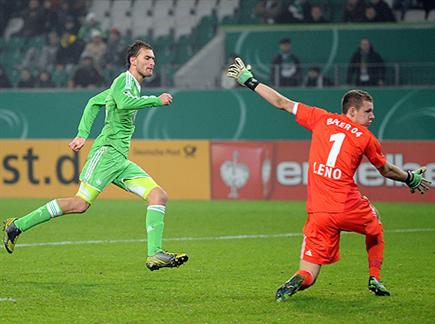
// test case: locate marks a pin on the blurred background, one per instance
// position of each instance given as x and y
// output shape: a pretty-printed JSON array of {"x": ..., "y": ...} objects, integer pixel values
[
  {"x": 81, "y": 44},
  {"x": 56, "y": 54}
]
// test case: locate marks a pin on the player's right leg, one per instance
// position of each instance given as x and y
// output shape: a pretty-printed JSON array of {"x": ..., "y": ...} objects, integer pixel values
[
  {"x": 13, "y": 227},
  {"x": 302, "y": 279}
]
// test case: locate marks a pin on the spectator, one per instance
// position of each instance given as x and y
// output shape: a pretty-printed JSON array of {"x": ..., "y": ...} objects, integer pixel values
[
  {"x": 316, "y": 79},
  {"x": 383, "y": 11},
  {"x": 402, "y": 6},
  {"x": 66, "y": 14},
  {"x": 69, "y": 50},
  {"x": 44, "y": 80},
  {"x": 370, "y": 15},
  {"x": 33, "y": 18},
  {"x": 59, "y": 76},
  {"x": 96, "y": 48},
  {"x": 427, "y": 5},
  {"x": 286, "y": 69},
  {"x": 51, "y": 21},
  {"x": 86, "y": 75},
  {"x": 48, "y": 55},
  {"x": 115, "y": 50},
  {"x": 354, "y": 11},
  {"x": 268, "y": 10},
  {"x": 366, "y": 66},
  {"x": 316, "y": 15},
  {"x": 26, "y": 79},
  {"x": 4, "y": 80},
  {"x": 297, "y": 11},
  {"x": 44, "y": 58},
  {"x": 89, "y": 25}
]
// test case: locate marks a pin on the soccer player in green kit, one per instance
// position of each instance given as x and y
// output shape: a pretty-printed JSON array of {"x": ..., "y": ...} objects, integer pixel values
[{"x": 108, "y": 162}]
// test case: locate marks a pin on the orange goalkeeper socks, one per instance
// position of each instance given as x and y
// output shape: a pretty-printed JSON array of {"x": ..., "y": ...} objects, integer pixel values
[{"x": 308, "y": 278}]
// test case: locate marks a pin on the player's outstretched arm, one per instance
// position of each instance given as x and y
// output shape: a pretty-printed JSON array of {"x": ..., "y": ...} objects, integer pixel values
[
  {"x": 413, "y": 178},
  {"x": 244, "y": 76}
]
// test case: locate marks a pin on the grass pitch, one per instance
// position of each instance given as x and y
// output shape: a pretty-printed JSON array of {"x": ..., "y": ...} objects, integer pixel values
[{"x": 237, "y": 260}]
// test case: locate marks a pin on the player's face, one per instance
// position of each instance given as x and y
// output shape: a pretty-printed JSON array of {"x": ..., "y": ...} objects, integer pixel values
[
  {"x": 145, "y": 62},
  {"x": 364, "y": 115}
]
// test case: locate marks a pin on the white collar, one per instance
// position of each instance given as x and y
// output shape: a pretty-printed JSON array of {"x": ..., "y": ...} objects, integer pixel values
[{"x": 137, "y": 82}]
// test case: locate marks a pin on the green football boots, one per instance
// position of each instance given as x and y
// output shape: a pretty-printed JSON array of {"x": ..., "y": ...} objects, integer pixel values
[
  {"x": 165, "y": 259},
  {"x": 378, "y": 287},
  {"x": 11, "y": 233},
  {"x": 289, "y": 288}
]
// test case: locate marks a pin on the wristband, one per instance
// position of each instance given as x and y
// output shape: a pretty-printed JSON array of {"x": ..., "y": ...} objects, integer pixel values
[
  {"x": 410, "y": 177},
  {"x": 251, "y": 83}
]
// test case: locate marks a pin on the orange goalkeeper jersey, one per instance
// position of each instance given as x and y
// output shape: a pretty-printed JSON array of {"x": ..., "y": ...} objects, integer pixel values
[{"x": 337, "y": 147}]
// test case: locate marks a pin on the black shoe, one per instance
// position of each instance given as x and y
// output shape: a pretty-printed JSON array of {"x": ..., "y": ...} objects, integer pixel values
[
  {"x": 289, "y": 288},
  {"x": 165, "y": 259},
  {"x": 11, "y": 233},
  {"x": 378, "y": 287}
]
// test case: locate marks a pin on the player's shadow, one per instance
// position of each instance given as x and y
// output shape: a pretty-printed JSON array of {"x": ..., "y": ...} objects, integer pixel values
[{"x": 323, "y": 305}]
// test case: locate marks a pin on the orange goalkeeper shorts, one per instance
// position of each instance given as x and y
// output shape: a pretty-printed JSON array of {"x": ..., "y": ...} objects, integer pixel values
[{"x": 322, "y": 231}]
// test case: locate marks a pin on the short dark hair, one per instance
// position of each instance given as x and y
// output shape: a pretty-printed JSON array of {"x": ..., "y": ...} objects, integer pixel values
[
  {"x": 285, "y": 41},
  {"x": 354, "y": 98},
  {"x": 133, "y": 50}
]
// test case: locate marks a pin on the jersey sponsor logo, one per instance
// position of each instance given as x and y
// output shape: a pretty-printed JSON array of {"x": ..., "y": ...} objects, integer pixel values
[{"x": 347, "y": 127}]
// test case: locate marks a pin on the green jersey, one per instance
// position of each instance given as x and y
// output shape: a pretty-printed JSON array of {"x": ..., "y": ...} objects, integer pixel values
[{"x": 122, "y": 100}]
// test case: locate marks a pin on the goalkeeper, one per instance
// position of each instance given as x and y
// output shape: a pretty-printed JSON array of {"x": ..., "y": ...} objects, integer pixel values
[
  {"x": 108, "y": 161},
  {"x": 334, "y": 203}
]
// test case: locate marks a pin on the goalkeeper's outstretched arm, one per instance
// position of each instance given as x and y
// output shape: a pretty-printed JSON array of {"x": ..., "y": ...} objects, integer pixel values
[
  {"x": 413, "y": 178},
  {"x": 244, "y": 76}
]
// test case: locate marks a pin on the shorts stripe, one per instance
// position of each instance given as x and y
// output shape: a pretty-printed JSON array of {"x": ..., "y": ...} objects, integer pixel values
[
  {"x": 94, "y": 161},
  {"x": 157, "y": 208}
]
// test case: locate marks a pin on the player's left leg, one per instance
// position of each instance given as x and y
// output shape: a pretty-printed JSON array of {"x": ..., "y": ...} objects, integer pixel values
[{"x": 365, "y": 220}]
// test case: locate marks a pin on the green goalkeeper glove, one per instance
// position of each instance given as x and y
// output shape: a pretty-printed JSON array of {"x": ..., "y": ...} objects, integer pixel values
[
  {"x": 415, "y": 180},
  {"x": 242, "y": 74}
]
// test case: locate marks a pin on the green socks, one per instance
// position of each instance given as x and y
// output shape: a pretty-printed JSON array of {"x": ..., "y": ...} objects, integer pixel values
[
  {"x": 154, "y": 226},
  {"x": 38, "y": 216}
]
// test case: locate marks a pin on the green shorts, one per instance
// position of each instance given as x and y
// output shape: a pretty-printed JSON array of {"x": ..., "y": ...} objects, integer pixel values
[{"x": 105, "y": 165}]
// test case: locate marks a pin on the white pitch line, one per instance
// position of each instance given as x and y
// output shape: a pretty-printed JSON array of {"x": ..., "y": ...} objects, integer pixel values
[
  {"x": 8, "y": 299},
  {"x": 207, "y": 238}
]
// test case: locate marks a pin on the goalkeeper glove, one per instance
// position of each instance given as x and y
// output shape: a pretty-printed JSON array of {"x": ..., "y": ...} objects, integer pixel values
[
  {"x": 415, "y": 180},
  {"x": 242, "y": 74}
]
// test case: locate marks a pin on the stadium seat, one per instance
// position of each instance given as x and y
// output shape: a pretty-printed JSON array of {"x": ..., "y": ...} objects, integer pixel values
[
  {"x": 163, "y": 18},
  {"x": 184, "y": 19},
  {"x": 431, "y": 16},
  {"x": 227, "y": 8},
  {"x": 414, "y": 15},
  {"x": 102, "y": 9},
  {"x": 141, "y": 15},
  {"x": 120, "y": 14}
]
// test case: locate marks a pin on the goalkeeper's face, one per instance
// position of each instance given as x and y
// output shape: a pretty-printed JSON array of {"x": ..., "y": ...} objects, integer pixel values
[
  {"x": 144, "y": 62},
  {"x": 364, "y": 115}
]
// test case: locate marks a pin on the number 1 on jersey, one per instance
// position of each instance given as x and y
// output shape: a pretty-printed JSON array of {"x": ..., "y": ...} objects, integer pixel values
[{"x": 338, "y": 139}]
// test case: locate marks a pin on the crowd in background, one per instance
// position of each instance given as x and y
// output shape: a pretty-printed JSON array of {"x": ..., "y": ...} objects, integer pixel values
[
  {"x": 78, "y": 53},
  {"x": 353, "y": 11}
]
